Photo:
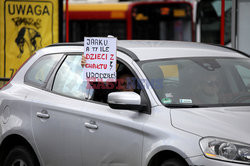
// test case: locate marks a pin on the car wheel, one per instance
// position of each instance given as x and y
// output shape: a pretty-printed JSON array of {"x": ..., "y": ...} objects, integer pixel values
[
  {"x": 19, "y": 156},
  {"x": 173, "y": 162}
]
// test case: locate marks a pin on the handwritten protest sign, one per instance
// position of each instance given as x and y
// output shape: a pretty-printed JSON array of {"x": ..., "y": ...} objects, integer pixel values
[{"x": 100, "y": 54}]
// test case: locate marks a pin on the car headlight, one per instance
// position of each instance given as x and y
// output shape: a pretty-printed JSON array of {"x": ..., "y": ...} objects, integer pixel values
[{"x": 227, "y": 150}]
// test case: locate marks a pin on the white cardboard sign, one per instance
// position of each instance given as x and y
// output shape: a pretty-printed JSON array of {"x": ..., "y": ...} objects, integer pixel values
[{"x": 100, "y": 54}]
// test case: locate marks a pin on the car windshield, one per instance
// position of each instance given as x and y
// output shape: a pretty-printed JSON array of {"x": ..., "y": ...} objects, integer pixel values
[{"x": 197, "y": 82}]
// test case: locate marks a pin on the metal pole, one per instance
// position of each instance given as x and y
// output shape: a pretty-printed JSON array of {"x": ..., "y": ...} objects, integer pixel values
[
  {"x": 222, "y": 23},
  {"x": 67, "y": 20},
  {"x": 233, "y": 24}
]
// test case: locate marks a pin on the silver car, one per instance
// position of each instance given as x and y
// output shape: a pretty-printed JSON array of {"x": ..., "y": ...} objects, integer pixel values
[{"x": 190, "y": 105}]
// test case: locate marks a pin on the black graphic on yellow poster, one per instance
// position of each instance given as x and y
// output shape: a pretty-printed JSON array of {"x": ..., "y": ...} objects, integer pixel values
[{"x": 26, "y": 26}]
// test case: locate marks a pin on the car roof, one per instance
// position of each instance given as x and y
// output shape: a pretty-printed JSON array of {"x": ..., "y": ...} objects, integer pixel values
[
  {"x": 158, "y": 49},
  {"x": 147, "y": 50}
]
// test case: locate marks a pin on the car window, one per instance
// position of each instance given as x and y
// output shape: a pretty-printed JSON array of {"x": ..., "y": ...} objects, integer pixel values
[
  {"x": 39, "y": 72},
  {"x": 126, "y": 81},
  {"x": 209, "y": 13},
  {"x": 244, "y": 73},
  {"x": 165, "y": 75},
  {"x": 200, "y": 81},
  {"x": 69, "y": 79}
]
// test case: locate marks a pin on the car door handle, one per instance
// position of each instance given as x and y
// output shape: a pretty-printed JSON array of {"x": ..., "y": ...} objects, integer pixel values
[
  {"x": 44, "y": 114},
  {"x": 91, "y": 125}
]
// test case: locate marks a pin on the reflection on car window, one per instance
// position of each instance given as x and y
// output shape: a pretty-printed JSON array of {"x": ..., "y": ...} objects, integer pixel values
[
  {"x": 244, "y": 73},
  {"x": 200, "y": 81},
  {"x": 38, "y": 73},
  {"x": 69, "y": 79}
]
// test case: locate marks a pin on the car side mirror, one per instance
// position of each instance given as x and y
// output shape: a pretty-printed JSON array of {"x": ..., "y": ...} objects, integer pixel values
[{"x": 126, "y": 100}]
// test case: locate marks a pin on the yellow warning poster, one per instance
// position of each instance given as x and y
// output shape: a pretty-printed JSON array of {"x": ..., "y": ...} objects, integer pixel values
[{"x": 25, "y": 26}]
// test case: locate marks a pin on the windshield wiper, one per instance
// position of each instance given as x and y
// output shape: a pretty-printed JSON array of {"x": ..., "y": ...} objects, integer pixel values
[{"x": 181, "y": 106}]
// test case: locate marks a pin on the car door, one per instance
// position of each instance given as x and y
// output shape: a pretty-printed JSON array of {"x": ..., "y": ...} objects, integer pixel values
[
  {"x": 112, "y": 137},
  {"x": 57, "y": 116}
]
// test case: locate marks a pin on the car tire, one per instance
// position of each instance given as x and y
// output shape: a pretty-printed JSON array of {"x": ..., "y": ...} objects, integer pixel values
[
  {"x": 173, "y": 162},
  {"x": 19, "y": 156}
]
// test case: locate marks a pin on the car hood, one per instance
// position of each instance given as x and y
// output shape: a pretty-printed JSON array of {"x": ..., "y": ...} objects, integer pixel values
[{"x": 230, "y": 123}]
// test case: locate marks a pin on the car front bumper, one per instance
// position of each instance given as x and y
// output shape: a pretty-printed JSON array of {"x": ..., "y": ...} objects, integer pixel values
[{"x": 203, "y": 161}]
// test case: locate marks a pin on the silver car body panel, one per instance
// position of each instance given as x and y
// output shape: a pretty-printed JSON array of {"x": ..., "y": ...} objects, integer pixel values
[
  {"x": 230, "y": 122},
  {"x": 149, "y": 50},
  {"x": 86, "y": 133}
]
